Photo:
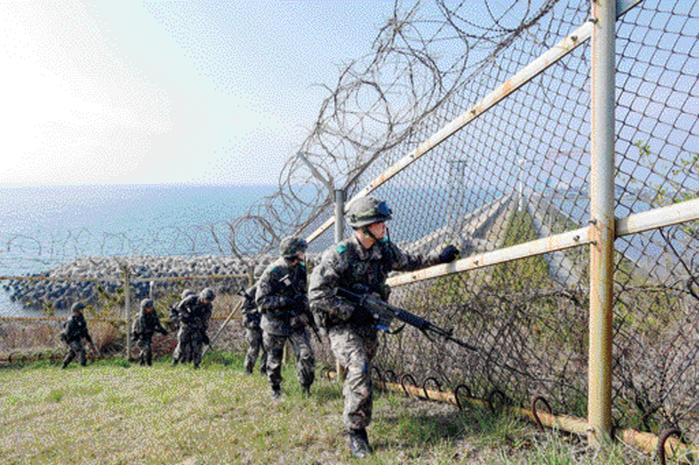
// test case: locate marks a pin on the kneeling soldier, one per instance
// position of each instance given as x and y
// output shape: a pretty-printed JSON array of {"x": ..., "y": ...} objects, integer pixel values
[
  {"x": 281, "y": 298},
  {"x": 74, "y": 331},
  {"x": 145, "y": 325}
]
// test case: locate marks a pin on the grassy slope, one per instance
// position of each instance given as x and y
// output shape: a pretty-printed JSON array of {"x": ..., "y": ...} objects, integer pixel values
[{"x": 110, "y": 413}]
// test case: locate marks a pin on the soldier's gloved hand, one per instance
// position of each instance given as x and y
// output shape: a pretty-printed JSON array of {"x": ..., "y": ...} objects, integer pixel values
[
  {"x": 299, "y": 321},
  {"x": 205, "y": 339},
  {"x": 362, "y": 316},
  {"x": 448, "y": 254}
]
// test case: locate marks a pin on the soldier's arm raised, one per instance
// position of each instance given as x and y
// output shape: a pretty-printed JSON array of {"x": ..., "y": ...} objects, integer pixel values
[{"x": 404, "y": 261}]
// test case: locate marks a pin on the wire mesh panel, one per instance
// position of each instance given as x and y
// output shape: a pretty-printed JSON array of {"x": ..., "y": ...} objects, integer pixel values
[{"x": 656, "y": 324}]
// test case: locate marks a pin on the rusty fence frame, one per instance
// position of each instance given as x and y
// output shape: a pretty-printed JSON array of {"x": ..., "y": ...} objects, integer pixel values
[{"x": 603, "y": 227}]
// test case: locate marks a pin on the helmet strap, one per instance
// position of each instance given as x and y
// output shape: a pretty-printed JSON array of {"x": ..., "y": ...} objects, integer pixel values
[{"x": 365, "y": 230}]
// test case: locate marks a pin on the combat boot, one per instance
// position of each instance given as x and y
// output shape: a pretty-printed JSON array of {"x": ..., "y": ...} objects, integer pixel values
[
  {"x": 248, "y": 369},
  {"x": 306, "y": 391},
  {"x": 263, "y": 370},
  {"x": 276, "y": 393},
  {"x": 358, "y": 443}
]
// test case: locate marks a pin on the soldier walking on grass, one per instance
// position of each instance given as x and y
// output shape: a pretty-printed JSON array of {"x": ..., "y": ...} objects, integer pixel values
[
  {"x": 74, "y": 331},
  {"x": 181, "y": 353},
  {"x": 195, "y": 312},
  {"x": 145, "y": 325},
  {"x": 361, "y": 263},
  {"x": 253, "y": 333},
  {"x": 281, "y": 298}
]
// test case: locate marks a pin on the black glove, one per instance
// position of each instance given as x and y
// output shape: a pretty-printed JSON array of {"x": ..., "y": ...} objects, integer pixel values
[
  {"x": 448, "y": 254},
  {"x": 362, "y": 316},
  {"x": 205, "y": 339}
]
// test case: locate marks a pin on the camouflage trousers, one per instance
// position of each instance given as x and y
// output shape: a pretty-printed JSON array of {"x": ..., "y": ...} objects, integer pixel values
[
  {"x": 75, "y": 348},
  {"x": 190, "y": 345},
  {"x": 354, "y": 350},
  {"x": 182, "y": 350},
  {"x": 254, "y": 338},
  {"x": 146, "y": 347},
  {"x": 305, "y": 361}
]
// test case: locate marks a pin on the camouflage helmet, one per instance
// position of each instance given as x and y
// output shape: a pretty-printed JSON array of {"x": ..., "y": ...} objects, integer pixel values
[
  {"x": 367, "y": 210},
  {"x": 77, "y": 307},
  {"x": 145, "y": 303},
  {"x": 186, "y": 293},
  {"x": 207, "y": 294},
  {"x": 292, "y": 245}
]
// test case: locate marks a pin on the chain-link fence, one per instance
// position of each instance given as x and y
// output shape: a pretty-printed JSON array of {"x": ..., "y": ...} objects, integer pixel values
[{"x": 478, "y": 133}]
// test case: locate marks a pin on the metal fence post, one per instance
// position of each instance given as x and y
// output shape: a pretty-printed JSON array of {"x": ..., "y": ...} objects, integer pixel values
[
  {"x": 339, "y": 233},
  {"x": 127, "y": 310},
  {"x": 599, "y": 404}
]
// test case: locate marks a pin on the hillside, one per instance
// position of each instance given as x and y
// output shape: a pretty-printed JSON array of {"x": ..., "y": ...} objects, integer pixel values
[{"x": 110, "y": 412}]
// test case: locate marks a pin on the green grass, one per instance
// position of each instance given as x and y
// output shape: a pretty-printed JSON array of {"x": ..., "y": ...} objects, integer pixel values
[{"x": 110, "y": 412}]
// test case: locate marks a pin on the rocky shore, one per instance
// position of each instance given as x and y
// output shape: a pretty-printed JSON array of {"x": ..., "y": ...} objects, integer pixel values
[{"x": 79, "y": 280}]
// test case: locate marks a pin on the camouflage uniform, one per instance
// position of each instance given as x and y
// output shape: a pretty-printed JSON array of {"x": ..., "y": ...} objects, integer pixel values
[
  {"x": 145, "y": 325},
  {"x": 194, "y": 322},
  {"x": 181, "y": 352},
  {"x": 253, "y": 333},
  {"x": 281, "y": 298},
  {"x": 351, "y": 330},
  {"x": 74, "y": 331}
]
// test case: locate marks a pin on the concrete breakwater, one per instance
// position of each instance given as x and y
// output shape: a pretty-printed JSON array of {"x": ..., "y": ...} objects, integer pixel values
[{"x": 64, "y": 284}]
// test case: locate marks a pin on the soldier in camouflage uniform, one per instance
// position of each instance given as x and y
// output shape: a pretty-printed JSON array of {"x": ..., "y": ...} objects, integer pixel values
[
  {"x": 145, "y": 325},
  {"x": 74, "y": 331},
  {"x": 360, "y": 263},
  {"x": 195, "y": 312},
  {"x": 281, "y": 298},
  {"x": 181, "y": 353},
  {"x": 253, "y": 332}
]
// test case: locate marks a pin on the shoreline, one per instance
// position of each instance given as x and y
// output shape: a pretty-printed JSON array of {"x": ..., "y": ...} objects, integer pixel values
[{"x": 79, "y": 279}]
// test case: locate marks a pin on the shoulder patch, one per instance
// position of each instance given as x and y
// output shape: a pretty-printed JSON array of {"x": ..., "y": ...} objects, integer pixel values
[{"x": 341, "y": 248}]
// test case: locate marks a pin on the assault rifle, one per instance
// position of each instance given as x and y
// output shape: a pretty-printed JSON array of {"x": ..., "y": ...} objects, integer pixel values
[
  {"x": 384, "y": 313},
  {"x": 249, "y": 300},
  {"x": 286, "y": 281}
]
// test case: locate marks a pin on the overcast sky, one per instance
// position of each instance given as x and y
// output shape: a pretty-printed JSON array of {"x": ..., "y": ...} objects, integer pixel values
[{"x": 168, "y": 92}]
